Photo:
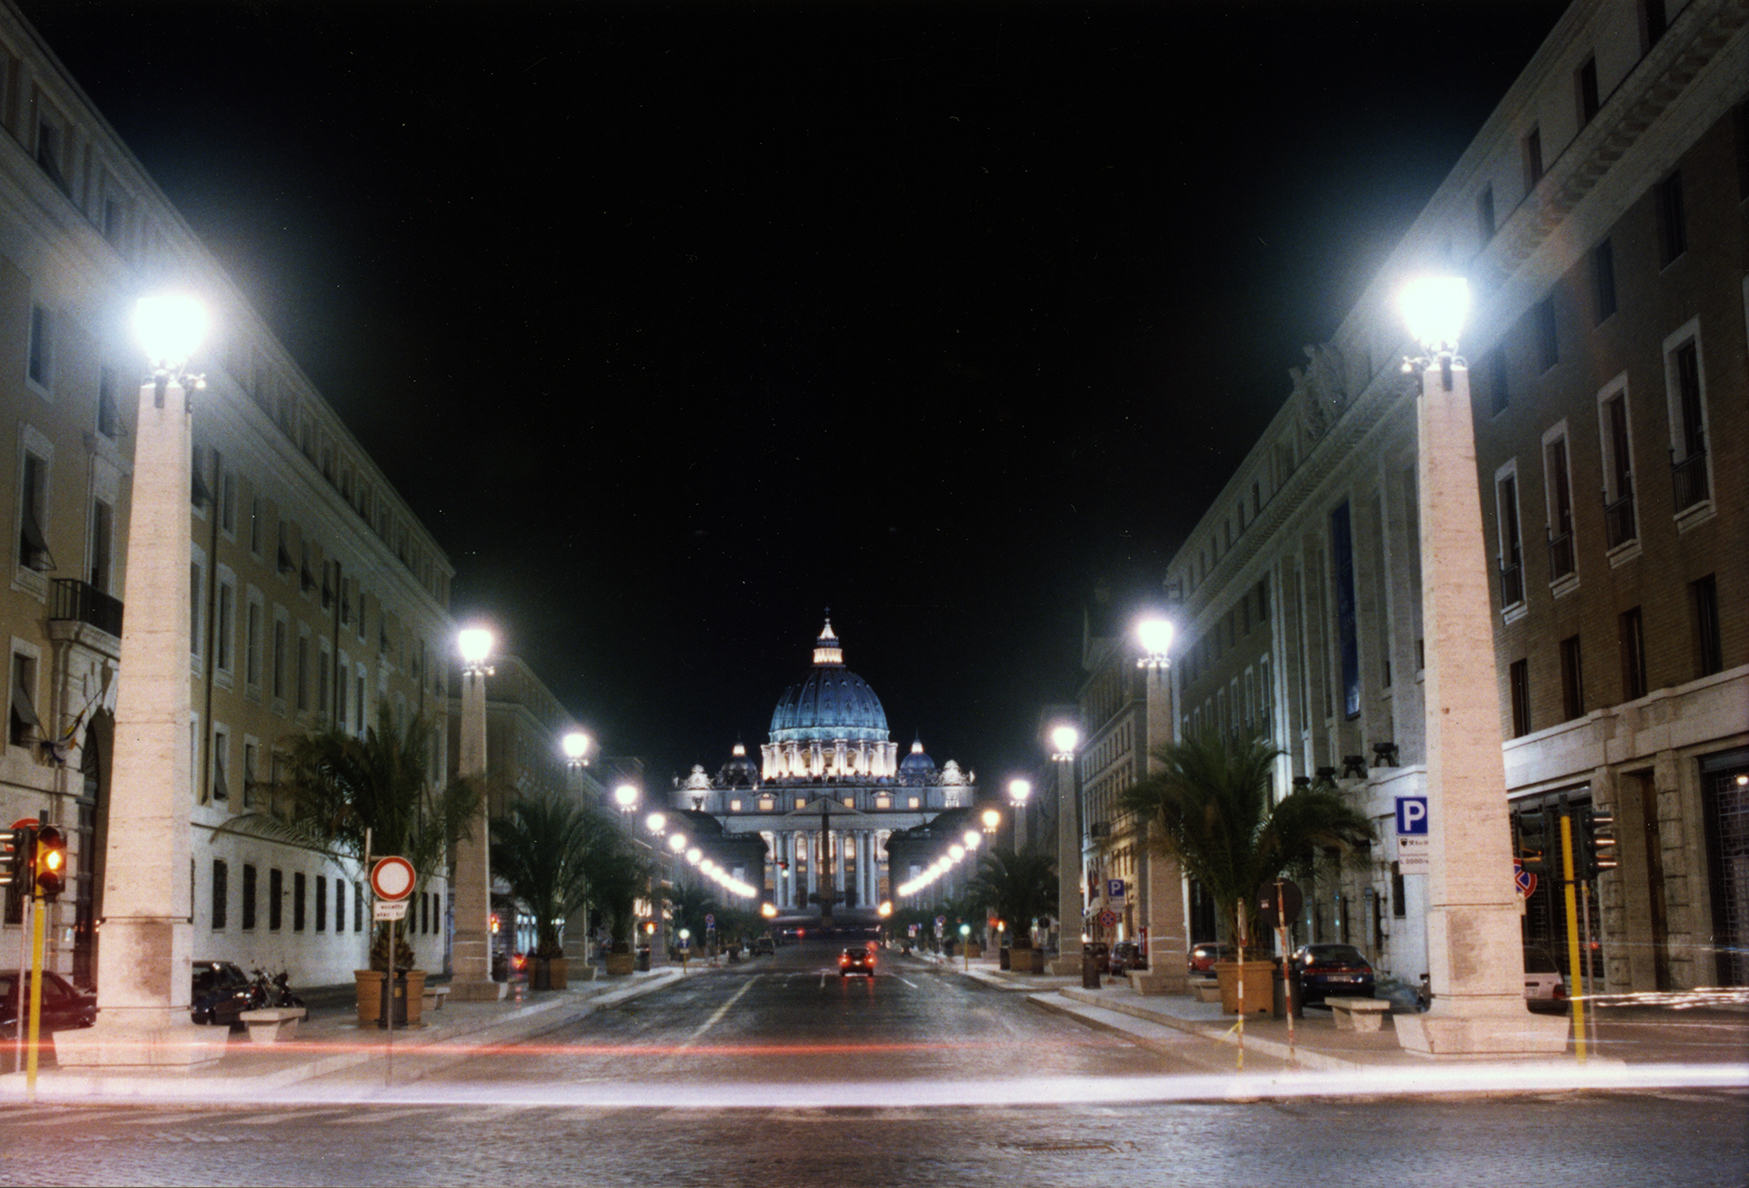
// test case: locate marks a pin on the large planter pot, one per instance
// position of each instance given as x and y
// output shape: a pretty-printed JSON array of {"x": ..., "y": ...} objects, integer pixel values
[
  {"x": 409, "y": 996},
  {"x": 1026, "y": 960},
  {"x": 620, "y": 965},
  {"x": 974, "y": 949},
  {"x": 1002, "y": 957},
  {"x": 370, "y": 994},
  {"x": 549, "y": 973},
  {"x": 1259, "y": 987}
]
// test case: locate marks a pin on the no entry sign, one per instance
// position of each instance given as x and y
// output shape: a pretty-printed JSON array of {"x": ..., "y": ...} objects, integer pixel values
[{"x": 392, "y": 878}]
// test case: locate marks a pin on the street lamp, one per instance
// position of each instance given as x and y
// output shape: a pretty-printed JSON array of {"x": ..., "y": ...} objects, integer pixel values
[
  {"x": 473, "y": 864},
  {"x": 1018, "y": 792},
  {"x": 990, "y": 819},
  {"x": 576, "y": 747},
  {"x": 626, "y": 797},
  {"x": 1070, "y": 913},
  {"x": 1162, "y": 879},
  {"x": 1474, "y": 942},
  {"x": 148, "y": 932}
]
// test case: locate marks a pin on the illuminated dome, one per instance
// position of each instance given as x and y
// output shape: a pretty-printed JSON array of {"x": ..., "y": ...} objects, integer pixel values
[
  {"x": 830, "y": 724},
  {"x": 740, "y": 771},
  {"x": 917, "y": 767}
]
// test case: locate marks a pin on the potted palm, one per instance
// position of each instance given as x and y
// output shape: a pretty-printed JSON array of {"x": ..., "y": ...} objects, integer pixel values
[
  {"x": 1211, "y": 805},
  {"x": 360, "y": 797},
  {"x": 616, "y": 874},
  {"x": 541, "y": 848},
  {"x": 1020, "y": 887}
]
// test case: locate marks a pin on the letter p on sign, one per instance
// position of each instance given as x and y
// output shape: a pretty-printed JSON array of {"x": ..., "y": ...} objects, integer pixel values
[{"x": 1411, "y": 816}]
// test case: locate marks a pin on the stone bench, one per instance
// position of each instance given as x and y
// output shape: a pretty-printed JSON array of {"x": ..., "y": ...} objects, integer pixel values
[
  {"x": 1358, "y": 1014},
  {"x": 271, "y": 1024},
  {"x": 434, "y": 996}
]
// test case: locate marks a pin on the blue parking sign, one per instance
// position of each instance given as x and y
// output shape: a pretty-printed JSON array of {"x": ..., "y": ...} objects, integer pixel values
[{"x": 1411, "y": 816}]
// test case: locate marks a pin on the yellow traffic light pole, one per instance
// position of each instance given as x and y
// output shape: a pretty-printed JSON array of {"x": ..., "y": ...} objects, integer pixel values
[
  {"x": 1567, "y": 881},
  {"x": 36, "y": 993}
]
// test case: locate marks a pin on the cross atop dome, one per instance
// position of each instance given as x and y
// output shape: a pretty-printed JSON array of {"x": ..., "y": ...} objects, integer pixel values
[{"x": 826, "y": 649}]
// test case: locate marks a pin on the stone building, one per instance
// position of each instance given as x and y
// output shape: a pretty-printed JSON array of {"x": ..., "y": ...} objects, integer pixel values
[
  {"x": 1600, "y": 216},
  {"x": 316, "y": 594}
]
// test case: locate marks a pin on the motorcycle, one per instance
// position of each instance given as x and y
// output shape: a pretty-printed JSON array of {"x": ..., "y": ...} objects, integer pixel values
[{"x": 274, "y": 991}]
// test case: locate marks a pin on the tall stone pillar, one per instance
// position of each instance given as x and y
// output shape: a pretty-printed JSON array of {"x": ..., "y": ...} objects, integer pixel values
[
  {"x": 1069, "y": 876},
  {"x": 839, "y": 837},
  {"x": 576, "y": 941},
  {"x": 1474, "y": 944},
  {"x": 143, "y": 985},
  {"x": 473, "y": 871},
  {"x": 1168, "y": 928}
]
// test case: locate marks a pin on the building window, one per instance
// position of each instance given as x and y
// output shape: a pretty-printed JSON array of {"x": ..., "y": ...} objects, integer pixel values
[
  {"x": 357, "y": 907},
  {"x": 1585, "y": 90},
  {"x": 1619, "y": 520},
  {"x": 1703, "y": 607},
  {"x": 108, "y": 404},
  {"x": 39, "y": 364},
  {"x": 248, "y": 897},
  {"x": 23, "y": 728},
  {"x": 299, "y": 890},
  {"x": 1630, "y": 632},
  {"x": 227, "y": 615},
  {"x": 102, "y": 561},
  {"x": 321, "y": 903},
  {"x": 279, "y": 629},
  {"x": 33, "y": 503},
  {"x": 1511, "y": 543},
  {"x": 275, "y": 898},
  {"x": 1603, "y": 280},
  {"x": 251, "y": 761},
  {"x": 252, "y": 644},
  {"x": 1532, "y": 146},
  {"x": 1399, "y": 893},
  {"x": 48, "y": 152},
  {"x": 339, "y": 905},
  {"x": 1572, "y": 680},
  {"x": 1494, "y": 372},
  {"x": 1485, "y": 213},
  {"x": 1548, "y": 343},
  {"x": 196, "y": 583},
  {"x": 302, "y": 677},
  {"x": 1653, "y": 22},
  {"x": 1558, "y": 482},
  {"x": 221, "y": 892},
  {"x": 1672, "y": 221},
  {"x": 1518, "y": 678},
  {"x": 221, "y": 760},
  {"x": 1688, "y": 428}
]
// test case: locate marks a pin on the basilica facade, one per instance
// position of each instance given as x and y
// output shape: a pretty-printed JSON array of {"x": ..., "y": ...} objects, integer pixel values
[{"x": 827, "y": 792}]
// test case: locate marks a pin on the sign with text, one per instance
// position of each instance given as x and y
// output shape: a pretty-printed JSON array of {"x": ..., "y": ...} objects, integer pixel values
[
  {"x": 389, "y": 909},
  {"x": 1114, "y": 889},
  {"x": 1414, "y": 845}
]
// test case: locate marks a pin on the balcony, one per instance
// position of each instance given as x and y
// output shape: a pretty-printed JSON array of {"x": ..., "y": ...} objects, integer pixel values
[
  {"x": 1561, "y": 561},
  {"x": 1618, "y": 518},
  {"x": 1689, "y": 479},
  {"x": 1511, "y": 585},
  {"x": 79, "y": 602}
]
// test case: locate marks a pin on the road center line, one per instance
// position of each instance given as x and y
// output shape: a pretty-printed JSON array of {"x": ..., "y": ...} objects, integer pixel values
[
  {"x": 720, "y": 1012},
  {"x": 907, "y": 982}
]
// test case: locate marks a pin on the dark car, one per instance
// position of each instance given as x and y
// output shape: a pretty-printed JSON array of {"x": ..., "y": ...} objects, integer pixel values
[
  {"x": 1331, "y": 971},
  {"x": 221, "y": 994},
  {"x": 860, "y": 961},
  {"x": 1125, "y": 956},
  {"x": 764, "y": 946},
  {"x": 64, "y": 1005}
]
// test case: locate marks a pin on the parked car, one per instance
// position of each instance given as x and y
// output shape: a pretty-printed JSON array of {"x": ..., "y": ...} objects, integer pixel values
[
  {"x": 1203, "y": 957},
  {"x": 1125, "y": 956},
  {"x": 1331, "y": 971},
  {"x": 1544, "y": 987},
  {"x": 64, "y": 1005},
  {"x": 221, "y": 994},
  {"x": 860, "y": 961},
  {"x": 764, "y": 947}
]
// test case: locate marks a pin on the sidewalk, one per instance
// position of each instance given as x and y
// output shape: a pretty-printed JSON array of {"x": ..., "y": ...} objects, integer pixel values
[
  {"x": 331, "y": 1045},
  {"x": 1715, "y": 1038}
]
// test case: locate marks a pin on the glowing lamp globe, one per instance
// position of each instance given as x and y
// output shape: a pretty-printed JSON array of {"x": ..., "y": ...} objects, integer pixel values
[
  {"x": 475, "y": 644},
  {"x": 991, "y": 818},
  {"x": 1434, "y": 308},
  {"x": 656, "y": 822},
  {"x": 1155, "y": 635},
  {"x": 169, "y": 327},
  {"x": 1019, "y": 790},
  {"x": 576, "y": 745},
  {"x": 1065, "y": 738},
  {"x": 677, "y": 842},
  {"x": 625, "y": 796}
]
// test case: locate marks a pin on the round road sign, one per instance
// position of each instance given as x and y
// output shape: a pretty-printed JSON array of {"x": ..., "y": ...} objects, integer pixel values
[
  {"x": 1523, "y": 880},
  {"x": 1108, "y": 919},
  {"x": 392, "y": 878}
]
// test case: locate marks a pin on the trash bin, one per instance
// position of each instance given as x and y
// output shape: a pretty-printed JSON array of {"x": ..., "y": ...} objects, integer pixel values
[
  {"x": 644, "y": 959},
  {"x": 1279, "y": 1007},
  {"x": 400, "y": 1004},
  {"x": 1089, "y": 970}
]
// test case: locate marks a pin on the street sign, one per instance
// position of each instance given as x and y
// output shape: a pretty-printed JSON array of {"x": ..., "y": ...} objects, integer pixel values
[
  {"x": 1108, "y": 919},
  {"x": 1523, "y": 880},
  {"x": 389, "y": 909},
  {"x": 710, "y": 919},
  {"x": 27, "y": 823},
  {"x": 1414, "y": 845},
  {"x": 1292, "y": 900},
  {"x": 392, "y": 878},
  {"x": 1114, "y": 889}
]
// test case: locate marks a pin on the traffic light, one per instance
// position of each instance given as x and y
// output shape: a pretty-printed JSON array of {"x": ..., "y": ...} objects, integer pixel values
[
  {"x": 1595, "y": 843},
  {"x": 50, "y": 863},
  {"x": 15, "y": 867},
  {"x": 1539, "y": 847},
  {"x": 649, "y": 928}
]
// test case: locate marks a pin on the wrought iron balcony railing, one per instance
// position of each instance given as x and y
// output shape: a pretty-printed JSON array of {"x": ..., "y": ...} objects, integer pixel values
[
  {"x": 1511, "y": 585},
  {"x": 82, "y": 602},
  {"x": 1689, "y": 480},
  {"x": 1618, "y": 518}
]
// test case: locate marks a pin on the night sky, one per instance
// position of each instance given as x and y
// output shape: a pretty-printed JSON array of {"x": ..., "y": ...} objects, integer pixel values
[{"x": 678, "y": 323}]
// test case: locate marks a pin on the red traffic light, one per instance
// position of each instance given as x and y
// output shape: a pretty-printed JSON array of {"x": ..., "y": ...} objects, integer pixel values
[{"x": 50, "y": 862}]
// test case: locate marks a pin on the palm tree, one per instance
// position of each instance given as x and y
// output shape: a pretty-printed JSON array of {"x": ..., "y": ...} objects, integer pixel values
[
  {"x": 360, "y": 797},
  {"x": 541, "y": 848},
  {"x": 1021, "y": 887},
  {"x": 1211, "y": 804},
  {"x": 691, "y": 903},
  {"x": 616, "y": 873}
]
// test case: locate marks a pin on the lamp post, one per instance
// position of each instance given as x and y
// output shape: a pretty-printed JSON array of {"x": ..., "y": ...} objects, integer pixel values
[
  {"x": 472, "y": 959},
  {"x": 148, "y": 933},
  {"x": 1168, "y": 929},
  {"x": 657, "y": 824},
  {"x": 1064, "y": 739},
  {"x": 1018, "y": 792},
  {"x": 1474, "y": 943},
  {"x": 625, "y": 798},
  {"x": 575, "y": 745}
]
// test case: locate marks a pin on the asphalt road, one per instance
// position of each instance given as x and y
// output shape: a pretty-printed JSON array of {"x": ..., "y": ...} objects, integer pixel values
[{"x": 778, "y": 1073}]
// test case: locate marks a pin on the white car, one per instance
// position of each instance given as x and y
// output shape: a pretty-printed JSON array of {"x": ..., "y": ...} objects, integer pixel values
[{"x": 1544, "y": 987}]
